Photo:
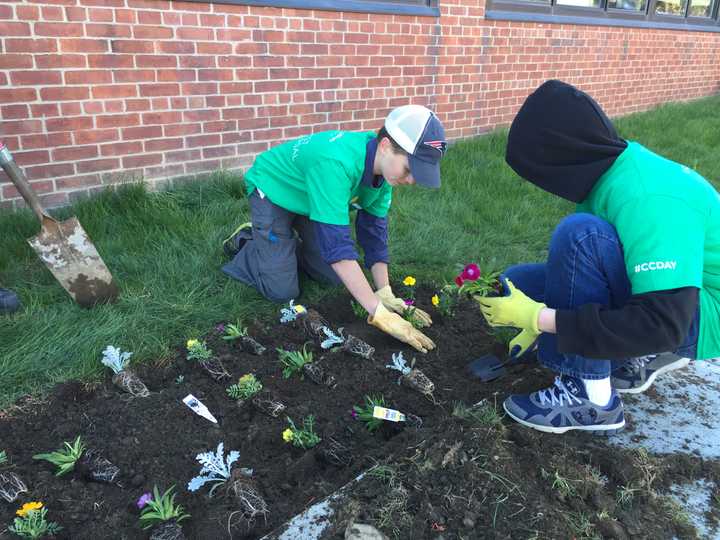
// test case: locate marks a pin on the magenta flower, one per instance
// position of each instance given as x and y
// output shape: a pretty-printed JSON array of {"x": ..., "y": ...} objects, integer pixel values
[
  {"x": 409, "y": 302},
  {"x": 471, "y": 272},
  {"x": 459, "y": 281},
  {"x": 144, "y": 500},
  {"x": 353, "y": 413}
]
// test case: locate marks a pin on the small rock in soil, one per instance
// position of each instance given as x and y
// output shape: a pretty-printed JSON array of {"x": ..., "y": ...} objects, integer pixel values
[
  {"x": 609, "y": 528},
  {"x": 137, "y": 480},
  {"x": 360, "y": 531}
]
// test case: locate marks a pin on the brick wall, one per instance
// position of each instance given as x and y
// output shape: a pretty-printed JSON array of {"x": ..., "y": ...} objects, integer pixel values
[{"x": 95, "y": 92}]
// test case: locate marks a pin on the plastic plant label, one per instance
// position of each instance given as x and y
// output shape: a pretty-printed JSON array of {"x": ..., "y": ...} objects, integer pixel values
[
  {"x": 388, "y": 414},
  {"x": 198, "y": 408}
]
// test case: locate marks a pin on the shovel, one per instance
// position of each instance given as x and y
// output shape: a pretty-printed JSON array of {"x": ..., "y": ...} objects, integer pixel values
[
  {"x": 64, "y": 247},
  {"x": 488, "y": 368}
]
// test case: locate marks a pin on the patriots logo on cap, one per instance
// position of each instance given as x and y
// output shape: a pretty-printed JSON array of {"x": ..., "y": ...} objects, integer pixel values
[{"x": 441, "y": 146}]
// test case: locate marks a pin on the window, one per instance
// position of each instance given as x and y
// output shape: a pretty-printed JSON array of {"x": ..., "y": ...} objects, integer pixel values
[
  {"x": 400, "y": 7},
  {"x": 682, "y": 14}
]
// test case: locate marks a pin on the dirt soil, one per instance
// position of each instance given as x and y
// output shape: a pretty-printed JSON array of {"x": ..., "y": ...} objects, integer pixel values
[{"x": 466, "y": 472}]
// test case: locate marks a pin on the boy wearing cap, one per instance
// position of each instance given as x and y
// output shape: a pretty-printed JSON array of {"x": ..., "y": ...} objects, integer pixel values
[{"x": 308, "y": 185}]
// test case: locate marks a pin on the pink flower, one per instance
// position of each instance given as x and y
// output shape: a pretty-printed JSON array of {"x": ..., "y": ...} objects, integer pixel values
[
  {"x": 144, "y": 500},
  {"x": 353, "y": 413},
  {"x": 471, "y": 272},
  {"x": 409, "y": 302},
  {"x": 459, "y": 281}
]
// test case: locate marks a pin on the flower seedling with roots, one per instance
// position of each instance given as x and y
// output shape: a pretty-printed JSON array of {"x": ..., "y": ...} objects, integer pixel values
[
  {"x": 160, "y": 511},
  {"x": 216, "y": 469},
  {"x": 304, "y": 437},
  {"x": 246, "y": 387},
  {"x": 365, "y": 412},
  {"x": 291, "y": 312},
  {"x": 89, "y": 462},
  {"x": 234, "y": 331},
  {"x": 293, "y": 361},
  {"x": 199, "y": 351},
  {"x": 123, "y": 377},
  {"x": 411, "y": 376},
  {"x": 31, "y": 522},
  {"x": 474, "y": 283}
]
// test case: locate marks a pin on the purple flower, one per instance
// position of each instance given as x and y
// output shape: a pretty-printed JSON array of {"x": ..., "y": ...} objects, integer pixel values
[
  {"x": 220, "y": 328},
  {"x": 144, "y": 500},
  {"x": 353, "y": 413},
  {"x": 409, "y": 302}
]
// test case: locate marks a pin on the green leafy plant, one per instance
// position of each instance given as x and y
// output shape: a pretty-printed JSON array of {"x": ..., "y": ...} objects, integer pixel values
[
  {"x": 484, "y": 285},
  {"x": 198, "y": 350},
  {"x": 161, "y": 508},
  {"x": 246, "y": 387},
  {"x": 358, "y": 310},
  {"x": 409, "y": 316},
  {"x": 3, "y": 457},
  {"x": 446, "y": 301},
  {"x": 293, "y": 361},
  {"x": 364, "y": 413},
  {"x": 304, "y": 437},
  {"x": 180, "y": 379},
  {"x": 65, "y": 458},
  {"x": 32, "y": 522},
  {"x": 235, "y": 331}
]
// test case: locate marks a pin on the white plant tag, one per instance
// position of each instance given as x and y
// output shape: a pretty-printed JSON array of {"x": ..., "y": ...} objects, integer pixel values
[
  {"x": 388, "y": 414},
  {"x": 198, "y": 408}
]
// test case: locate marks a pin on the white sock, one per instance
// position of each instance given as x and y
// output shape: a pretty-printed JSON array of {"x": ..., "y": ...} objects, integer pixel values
[{"x": 598, "y": 390}]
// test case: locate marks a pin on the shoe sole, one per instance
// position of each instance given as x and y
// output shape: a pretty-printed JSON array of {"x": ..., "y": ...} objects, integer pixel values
[
  {"x": 604, "y": 429},
  {"x": 678, "y": 364}
]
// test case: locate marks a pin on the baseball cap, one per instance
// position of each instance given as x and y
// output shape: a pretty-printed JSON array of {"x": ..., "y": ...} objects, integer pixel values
[{"x": 419, "y": 132}]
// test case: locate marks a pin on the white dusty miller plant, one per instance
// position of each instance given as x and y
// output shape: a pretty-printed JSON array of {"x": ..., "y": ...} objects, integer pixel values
[
  {"x": 332, "y": 338},
  {"x": 115, "y": 359},
  {"x": 216, "y": 468},
  {"x": 290, "y": 313},
  {"x": 399, "y": 364}
]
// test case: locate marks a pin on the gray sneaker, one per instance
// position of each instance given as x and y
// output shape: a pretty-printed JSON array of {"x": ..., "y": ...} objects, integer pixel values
[
  {"x": 637, "y": 374},
  {"x": 564, "y": 407}
]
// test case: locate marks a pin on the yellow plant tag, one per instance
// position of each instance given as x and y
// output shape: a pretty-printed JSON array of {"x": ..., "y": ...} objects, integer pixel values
[{"x": 388, "y": 414}]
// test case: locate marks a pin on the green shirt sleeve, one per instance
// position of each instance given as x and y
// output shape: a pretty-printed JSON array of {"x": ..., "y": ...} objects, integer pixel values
[
  {"x": 376, "y": 201},
  {"x": 328, "y": 191},
  {"x": 663, "y": 240}
]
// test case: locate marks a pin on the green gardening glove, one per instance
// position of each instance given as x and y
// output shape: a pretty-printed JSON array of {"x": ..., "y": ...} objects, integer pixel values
[{"x": 514, "y": 309}]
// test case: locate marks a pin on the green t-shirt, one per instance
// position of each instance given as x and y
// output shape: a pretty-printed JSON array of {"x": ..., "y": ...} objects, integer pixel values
[
  {"x": 668, "y": 219},
  {"x": 319, "y": 176}
]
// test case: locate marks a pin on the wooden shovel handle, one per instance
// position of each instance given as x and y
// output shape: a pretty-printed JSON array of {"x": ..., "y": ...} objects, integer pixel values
[{"x": 23, "y": 186}]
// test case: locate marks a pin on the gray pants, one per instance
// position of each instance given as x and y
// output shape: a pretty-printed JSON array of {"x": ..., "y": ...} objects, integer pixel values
[{"x": 270, "y": 258}]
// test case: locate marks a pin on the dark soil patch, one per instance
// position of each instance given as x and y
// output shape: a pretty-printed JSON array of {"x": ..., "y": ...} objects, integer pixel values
[{"x": 496, "y": 483}]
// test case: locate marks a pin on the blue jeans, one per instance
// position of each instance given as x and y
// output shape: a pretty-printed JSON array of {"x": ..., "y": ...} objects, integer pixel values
[{"x": 585, "y": 265}]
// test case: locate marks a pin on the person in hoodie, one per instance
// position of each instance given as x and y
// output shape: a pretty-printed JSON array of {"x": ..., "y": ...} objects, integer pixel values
[{"x": 635, "y": 272}]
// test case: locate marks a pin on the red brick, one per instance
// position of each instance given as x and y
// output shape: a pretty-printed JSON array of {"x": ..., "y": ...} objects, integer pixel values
[
  {"x": 152, "y": 32},
  {"x": 214, "y": 48},
  {"x": 98, "y": 165},
  {"x": 189, "y": 6},
  {"x": 142, "y": 160},
  {"x": 176, "y": 47},
  {"x": 27, "y": 13},
  {"x": 57, "y": 29},
  {"x": 103, "y": 3},
  {"x": 88, "y": 77},
  {"x": 142, "y": 132},
  {"x": 165, "y": 89},
  {"x": 45, "y": 140},
  {"x": 93, "y": 107},
  {"x": 64, "y": 93},
  {"x": 165, "y": 117},
  {"x": 215, "y": 74},
  {"x": 232, "y": 60},
  {"x": 251, "y": 48},
  {"x": 176, "y": 75},
  {"x": 14, "y": 29},
  {"x": 14, "y": 112},
  {"x": 114, "y": 91},
  {"x": 52, "y": 13},
  {"x": 212, "y": 20},
  {"x": 77, "y": 182},
  {"x": 203, "y": 166},
  {"x": 50, "y": 61},
  {"x": 218, "y": 151},
  {"x": 69, "y": 124},
  {"x": 149, "y": 17},
  {"x": 74, "y": 153},
  {"x": 239, "y": 113},
  {"x": 270, "y": 86},
  {"x": 126, "y": 16},
  {"x": 134, "y": 75},
  {"x": 16, "y": 61},
  {"x": 108, "y": 30},
  {"x": 35, "y": 77},
  {"x": 154, "y": 60},
  {"x": 111, "y": 60},
  {"x": 96, "y": 136},
  {"x": 20, "y": 127},
  {"x": 205, "y": 88},
  {"x": 32, "y": 157},
  {"x": 197, "y": 61},
  {"x": 137, "y": 105},
  {"x": 84, "y": 45},
  {"x": 20, "y": 45},
  {"x": 121, "y": 149},
  {"x": 117, "y": 120},
  {"x": 70, "y": 109},
  {"x": 181, "y": 129},
  {"x": 199, "y": 34},
  {"x": 100, "y": 15},
  {"x": 236, "y": 88},
  {"x": 160, "y": 145},
  {"x": 50, "y": 171}
]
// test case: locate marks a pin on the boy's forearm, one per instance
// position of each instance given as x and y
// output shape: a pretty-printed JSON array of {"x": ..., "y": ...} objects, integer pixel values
[
  {"x": 356, "y": 283},
  {"x": 380, "y": 275}
]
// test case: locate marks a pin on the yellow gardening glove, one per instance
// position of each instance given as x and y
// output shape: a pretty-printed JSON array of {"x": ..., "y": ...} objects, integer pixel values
[
  {"x": 393, "y": 303},
  {"x": 515, "y": 309},
  {"x": 399, "y": 328}
]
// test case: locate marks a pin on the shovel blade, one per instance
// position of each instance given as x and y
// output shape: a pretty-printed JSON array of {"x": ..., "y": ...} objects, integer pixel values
[
  {"x": 67, "y": 251},
  {"x": 487, "y": 368}
]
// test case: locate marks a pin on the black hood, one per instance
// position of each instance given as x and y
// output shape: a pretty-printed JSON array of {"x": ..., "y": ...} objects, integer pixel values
[{"x": 562, "y": 141}]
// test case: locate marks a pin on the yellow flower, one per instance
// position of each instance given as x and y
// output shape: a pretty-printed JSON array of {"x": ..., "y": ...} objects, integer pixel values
[
  {"x": 247, "y": 378},
  {"x": 300, "y": 309},
  {"x": 288, "y": 435},
  {"x": 409, "y": 281},
  {"x": 28, "y": 507},
  {"x": 435, "y": 300},
  {"x": 191, "y": 343}
]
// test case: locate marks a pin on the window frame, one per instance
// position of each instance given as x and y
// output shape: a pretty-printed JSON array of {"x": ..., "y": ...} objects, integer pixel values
[
  {"x": 422, "y": 8},
  {"x": 541, "y": 12}
]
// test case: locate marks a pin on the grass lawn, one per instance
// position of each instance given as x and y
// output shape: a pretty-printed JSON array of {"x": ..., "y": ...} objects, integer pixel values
[{"x": 165, "y": 249}]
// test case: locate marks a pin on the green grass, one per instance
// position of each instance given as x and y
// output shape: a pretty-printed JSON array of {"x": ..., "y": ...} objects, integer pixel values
[{"x": 164, "y": 249}]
